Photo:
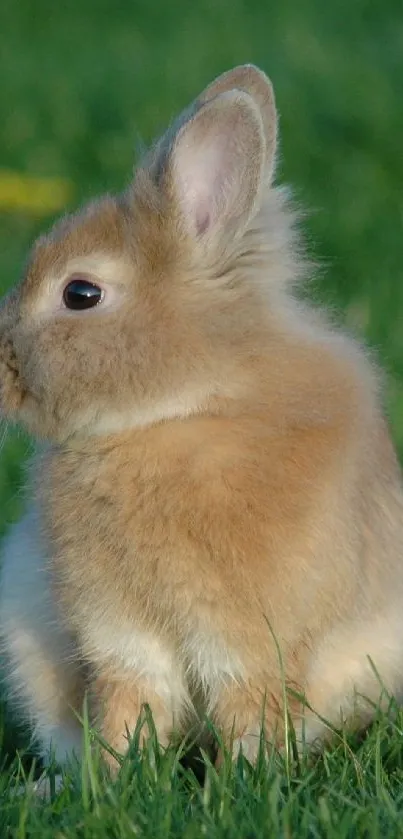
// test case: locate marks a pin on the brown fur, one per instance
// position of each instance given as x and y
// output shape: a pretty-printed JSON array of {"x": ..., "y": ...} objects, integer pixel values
[{"x": 217, "y": 467}]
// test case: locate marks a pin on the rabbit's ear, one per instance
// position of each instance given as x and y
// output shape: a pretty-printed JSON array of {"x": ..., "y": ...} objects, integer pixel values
[
  {"x": 215, "y": 166},
  {"x": 249, "y": 78}
]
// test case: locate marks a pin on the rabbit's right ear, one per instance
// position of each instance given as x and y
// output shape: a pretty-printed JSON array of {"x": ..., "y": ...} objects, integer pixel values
[
  {"x": 254, "y": 81},
  {"x": 213, "y": 167}
]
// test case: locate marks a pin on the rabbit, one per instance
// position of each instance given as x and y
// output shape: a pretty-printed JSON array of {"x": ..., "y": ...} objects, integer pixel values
[{"x": 214, "y": 517}]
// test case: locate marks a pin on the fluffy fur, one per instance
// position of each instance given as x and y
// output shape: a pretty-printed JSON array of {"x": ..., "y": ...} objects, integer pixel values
[{"x": 216, "y": 468}]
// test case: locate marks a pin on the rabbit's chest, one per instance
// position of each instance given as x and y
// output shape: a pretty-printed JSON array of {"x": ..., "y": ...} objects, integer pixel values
[
  {"x": 121, "y": 555},
  {"x": 155, "y": 542}
]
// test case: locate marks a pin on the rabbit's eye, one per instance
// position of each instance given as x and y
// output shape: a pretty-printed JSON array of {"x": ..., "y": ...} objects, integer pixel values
[{"x": 81, "y": 294}]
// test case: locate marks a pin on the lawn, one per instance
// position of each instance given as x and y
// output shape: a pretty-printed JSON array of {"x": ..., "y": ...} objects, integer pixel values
[{"x": 82, "y": 83}]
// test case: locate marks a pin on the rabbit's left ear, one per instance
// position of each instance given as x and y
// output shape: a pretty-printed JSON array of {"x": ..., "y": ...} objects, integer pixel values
[{"x": 215, "y": 164}]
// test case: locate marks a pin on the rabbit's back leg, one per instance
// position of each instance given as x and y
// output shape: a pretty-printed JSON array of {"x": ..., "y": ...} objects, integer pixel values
[
  {"x": 42, "y": 672},
  {"x": 356, "y": 668}
]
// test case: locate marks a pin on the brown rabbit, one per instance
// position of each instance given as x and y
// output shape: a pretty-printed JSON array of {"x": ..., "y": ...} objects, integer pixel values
[{"x": 216, "y": 474}]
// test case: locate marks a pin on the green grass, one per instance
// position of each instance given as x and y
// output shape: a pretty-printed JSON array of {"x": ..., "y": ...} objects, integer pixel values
[
  {"x": 354, "y": 790},
  {"x": 81, "y": 82}
]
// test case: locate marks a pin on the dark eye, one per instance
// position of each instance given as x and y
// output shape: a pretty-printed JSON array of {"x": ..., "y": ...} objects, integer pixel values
[{"x": 81, "y": 294}]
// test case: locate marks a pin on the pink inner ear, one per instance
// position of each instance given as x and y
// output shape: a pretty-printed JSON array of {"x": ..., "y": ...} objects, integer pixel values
[
  {"x": 201, "y": 174},
  {"x": 203, "y": 219}
]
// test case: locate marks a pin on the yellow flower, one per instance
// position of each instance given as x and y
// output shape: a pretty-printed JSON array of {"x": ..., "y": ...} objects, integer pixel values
[{"x": 34, "y": 195}]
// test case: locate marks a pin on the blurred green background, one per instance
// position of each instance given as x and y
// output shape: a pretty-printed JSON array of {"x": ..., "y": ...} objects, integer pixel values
[{"x": 82, "y": 81}]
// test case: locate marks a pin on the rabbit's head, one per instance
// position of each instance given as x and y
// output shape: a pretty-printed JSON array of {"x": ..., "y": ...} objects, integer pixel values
[{"x": 145, "y": 307}]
